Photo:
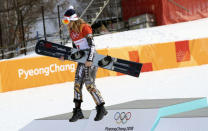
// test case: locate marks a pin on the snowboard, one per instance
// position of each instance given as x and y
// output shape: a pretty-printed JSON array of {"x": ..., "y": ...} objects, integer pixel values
[{"x": 47, "y": 48}]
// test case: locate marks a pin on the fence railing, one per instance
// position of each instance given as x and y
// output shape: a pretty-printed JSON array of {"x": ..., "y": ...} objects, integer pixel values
[
  {"x": 16, "y": 50},
  {"x": 28, "y": 45}
]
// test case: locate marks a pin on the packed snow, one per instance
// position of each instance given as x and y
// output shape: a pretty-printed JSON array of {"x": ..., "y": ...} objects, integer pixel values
[
  {"x": 18, "y": 108},
  {"x": 160, "y": 34}
]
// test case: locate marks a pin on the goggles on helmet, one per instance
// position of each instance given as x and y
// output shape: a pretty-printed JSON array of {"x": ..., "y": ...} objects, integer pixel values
[{"x": 65, "y": 21}]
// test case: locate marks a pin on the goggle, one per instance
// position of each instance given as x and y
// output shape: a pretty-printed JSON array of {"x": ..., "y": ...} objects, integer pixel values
[{"x": 65, "y": 21}]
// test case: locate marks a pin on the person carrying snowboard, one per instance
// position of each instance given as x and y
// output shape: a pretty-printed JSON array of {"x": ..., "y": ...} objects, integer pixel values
[{"x": 81, "y": 35}]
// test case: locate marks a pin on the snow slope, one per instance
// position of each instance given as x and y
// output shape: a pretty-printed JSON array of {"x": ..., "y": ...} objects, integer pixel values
[
  {"x": 160, "y": 34},
  {"x": 18, "y": 108}
]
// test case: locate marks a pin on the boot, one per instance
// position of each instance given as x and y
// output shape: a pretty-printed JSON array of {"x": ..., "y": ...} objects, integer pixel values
[
  {"x": 77, "y": 114},
  {"x": 101, "y": 112}
]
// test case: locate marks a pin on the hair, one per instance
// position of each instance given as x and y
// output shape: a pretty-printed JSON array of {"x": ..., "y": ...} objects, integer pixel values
[{"x": 76, "y": 25}]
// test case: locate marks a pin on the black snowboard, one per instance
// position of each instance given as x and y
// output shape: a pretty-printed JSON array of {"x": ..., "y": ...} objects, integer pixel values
[{"x": 47, "y": 48}]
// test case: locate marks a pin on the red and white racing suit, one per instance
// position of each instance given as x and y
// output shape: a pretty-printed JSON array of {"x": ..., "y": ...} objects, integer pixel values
[{"x": 85, "y": 75}]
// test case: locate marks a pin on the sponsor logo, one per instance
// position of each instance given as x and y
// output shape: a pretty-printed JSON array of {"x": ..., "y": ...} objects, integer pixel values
[
  {"x": 53, "y": 68},
  {"x": 119, "y": 128},
  {"x": 122, "y": 117}
]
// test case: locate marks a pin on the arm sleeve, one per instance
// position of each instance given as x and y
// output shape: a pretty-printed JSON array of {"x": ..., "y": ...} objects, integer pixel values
[
  {"x": 87, "y": 32},
  {"x": 92, "y": 47}
]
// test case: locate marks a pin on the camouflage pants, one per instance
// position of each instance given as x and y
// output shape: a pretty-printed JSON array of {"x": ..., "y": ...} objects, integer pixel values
[{"x": 86, "y": 75}]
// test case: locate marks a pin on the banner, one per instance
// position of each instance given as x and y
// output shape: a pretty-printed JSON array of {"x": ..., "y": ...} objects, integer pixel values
[
  {"x": 175, "y": 11},
  {"x": 166, "y": 11},
  {"x": 40, "y": 71},
  {"x": 34, "y": 72}
]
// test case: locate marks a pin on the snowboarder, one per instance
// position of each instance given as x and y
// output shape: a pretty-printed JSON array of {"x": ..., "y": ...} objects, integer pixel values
[{"x": 81, "y": 35}]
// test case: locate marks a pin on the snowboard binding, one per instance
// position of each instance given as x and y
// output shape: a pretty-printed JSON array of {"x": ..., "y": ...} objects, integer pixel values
[
  {"x": 77, "y": 55},
  {"x": 105, "y": 61}
]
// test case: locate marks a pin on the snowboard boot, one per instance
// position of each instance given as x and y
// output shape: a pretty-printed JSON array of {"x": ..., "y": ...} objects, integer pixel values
[
  {"x": 101, "y": 112},
  {"x": 77, "y": 114}
]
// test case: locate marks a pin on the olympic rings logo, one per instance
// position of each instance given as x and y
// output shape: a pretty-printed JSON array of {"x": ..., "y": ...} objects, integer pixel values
[{"x": 122, "y": 117}]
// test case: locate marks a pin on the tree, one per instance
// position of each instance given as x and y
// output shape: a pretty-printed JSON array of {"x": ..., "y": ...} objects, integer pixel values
[{"x": 18, "y": 16}]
